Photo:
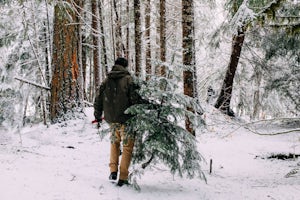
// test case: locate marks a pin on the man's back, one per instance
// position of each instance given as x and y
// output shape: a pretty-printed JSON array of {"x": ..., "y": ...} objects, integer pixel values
[{"x": 116, "y": 93}]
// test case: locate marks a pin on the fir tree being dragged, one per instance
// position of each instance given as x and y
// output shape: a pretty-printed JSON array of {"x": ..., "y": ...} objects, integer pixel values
[{"x": 157, "y": 131}]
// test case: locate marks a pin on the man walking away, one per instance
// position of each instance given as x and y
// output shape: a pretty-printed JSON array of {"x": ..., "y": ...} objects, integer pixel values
[{"x": 115, "y": 95}]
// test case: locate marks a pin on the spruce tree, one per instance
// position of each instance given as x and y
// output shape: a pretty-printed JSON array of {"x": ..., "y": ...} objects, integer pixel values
[{"x": 158, "y": 128}]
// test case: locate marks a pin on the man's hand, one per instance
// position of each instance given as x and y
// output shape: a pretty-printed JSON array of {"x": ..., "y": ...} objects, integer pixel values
[{"x": 98, "y": 122}]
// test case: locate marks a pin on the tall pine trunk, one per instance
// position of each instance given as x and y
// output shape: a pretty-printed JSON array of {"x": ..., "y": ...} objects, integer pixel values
[
  {"x": 256, "y": 96},
  {"x": 66, "y": 89},
  {"x": 84, "y": 65},
  {"x": 188, "y": 45},
  {"x": 223, "y": 101},
  {"x": 162, "y": 12},
  {"x": 95, "y": 44},
  {"x": 120, "y": 48},
  {"x": 104, "y": 52},
  {"x": 113, "y": 35},
  {"x": 84, "y": 53},
  {"x": 137, "y": 36},
  {"x": 148, "y": 39},
  {"x": 127, "y": 32}
]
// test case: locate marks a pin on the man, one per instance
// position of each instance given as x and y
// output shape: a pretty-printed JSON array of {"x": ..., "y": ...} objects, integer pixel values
[{"x": 116, "y": 94}]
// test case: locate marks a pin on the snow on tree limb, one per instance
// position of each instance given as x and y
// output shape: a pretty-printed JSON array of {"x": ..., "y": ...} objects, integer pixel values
[{"x": 32, "y": 83}]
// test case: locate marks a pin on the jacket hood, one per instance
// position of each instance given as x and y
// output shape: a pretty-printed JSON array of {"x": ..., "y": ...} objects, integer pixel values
[{"x": 117, "y": 72}]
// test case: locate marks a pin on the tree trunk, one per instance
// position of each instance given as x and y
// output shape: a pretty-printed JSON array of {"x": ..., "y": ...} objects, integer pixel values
[
  {"x": 188, "y": 45},
  {"x": 138, "y": 36},
  {"x": 120, "y": 48},
  {"x": 84, "y": 65},
  {"x": 148, "y": 39},
  {"x": 223, "y": 101},
  {"x": 113, "y": 35},
  {"x": 25, "y": 110},
  {"x": 95, "y": 44},
  {"x": 43, "y": 108},
  {"x": 47, "y": 60},
  {"x": 127, "y": 32},
  {"x": 48, "y": 42},
  {"x": 79, "y": 13},
  {"x": 104, "y": 52},
  {"x": 256, "y": 96},
  {"x": 162, "y": 11},
  {"x": 65, "y": 85},
  {"x": 91, "y": 88}
]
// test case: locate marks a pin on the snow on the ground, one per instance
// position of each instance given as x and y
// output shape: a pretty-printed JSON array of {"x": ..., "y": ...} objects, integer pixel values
[{"x": 71, "y": 163}]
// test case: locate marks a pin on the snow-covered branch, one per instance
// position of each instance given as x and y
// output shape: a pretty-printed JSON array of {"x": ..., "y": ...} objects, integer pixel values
[
  {"x": 32, "y": 83},
  {"x": 271, "y": 134}
]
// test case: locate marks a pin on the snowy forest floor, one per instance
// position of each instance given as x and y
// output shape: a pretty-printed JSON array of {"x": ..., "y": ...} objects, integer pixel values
[{"x": 71, "y": 163}]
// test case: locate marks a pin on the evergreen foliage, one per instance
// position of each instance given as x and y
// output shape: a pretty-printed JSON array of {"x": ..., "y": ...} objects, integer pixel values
[
  {"x": 284, "y": 79},
  {"x": 160, "y": 138}
]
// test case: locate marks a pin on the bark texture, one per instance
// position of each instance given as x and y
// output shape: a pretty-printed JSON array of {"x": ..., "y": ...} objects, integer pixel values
[
  {"x": 148, "y": 44},
  {"x": 104, "y": 52},
  {"x": 138, "y": 36},
  {"x": 65, "y": 87},
  {"x": 163, "y": 36},
  {"x": 95, "y": 44},
  {"x": 189, "y": 76},
  {"x": 223, "y": 101}
]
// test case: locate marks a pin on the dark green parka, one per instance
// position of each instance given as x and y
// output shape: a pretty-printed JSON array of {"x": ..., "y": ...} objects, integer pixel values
[{"x": 115, "y": 95}]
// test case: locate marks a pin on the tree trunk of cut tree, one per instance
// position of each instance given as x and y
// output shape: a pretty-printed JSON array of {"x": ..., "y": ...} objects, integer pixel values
[{"x": 223, "y": 101}]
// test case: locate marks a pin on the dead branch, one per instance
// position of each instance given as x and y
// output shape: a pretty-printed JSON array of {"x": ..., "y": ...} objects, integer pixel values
[
  {"x": 272, "y": 134},
  {"x": 32, "y": 83}
]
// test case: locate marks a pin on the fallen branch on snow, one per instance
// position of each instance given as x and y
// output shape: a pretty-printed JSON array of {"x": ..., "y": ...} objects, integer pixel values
[{"x": 271, "y": 134}]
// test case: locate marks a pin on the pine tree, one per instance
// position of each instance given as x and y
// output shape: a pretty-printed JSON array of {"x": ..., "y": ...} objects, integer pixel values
[
  {"x": 283, "y": 79},
  {"x": 66, "y": 91},
  {"x": 159, "y": 131}
]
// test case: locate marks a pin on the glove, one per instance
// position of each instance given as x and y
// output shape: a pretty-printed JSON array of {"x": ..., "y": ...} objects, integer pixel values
[{"x": 98, "y": 122}]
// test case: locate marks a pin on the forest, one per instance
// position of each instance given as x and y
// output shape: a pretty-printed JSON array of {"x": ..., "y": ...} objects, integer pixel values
[
  {"x": 222, "y": 78},
  {"x": 241, "y": 56}
]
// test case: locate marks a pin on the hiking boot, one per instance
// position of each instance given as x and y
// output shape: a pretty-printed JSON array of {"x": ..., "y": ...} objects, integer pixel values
[
  {"x": 113, "y": 176},
  {"x": 122, "y": 182}
]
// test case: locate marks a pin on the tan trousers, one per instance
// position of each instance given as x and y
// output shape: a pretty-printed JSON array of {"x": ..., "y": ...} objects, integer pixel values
[{"x": 118, "y": 135}]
